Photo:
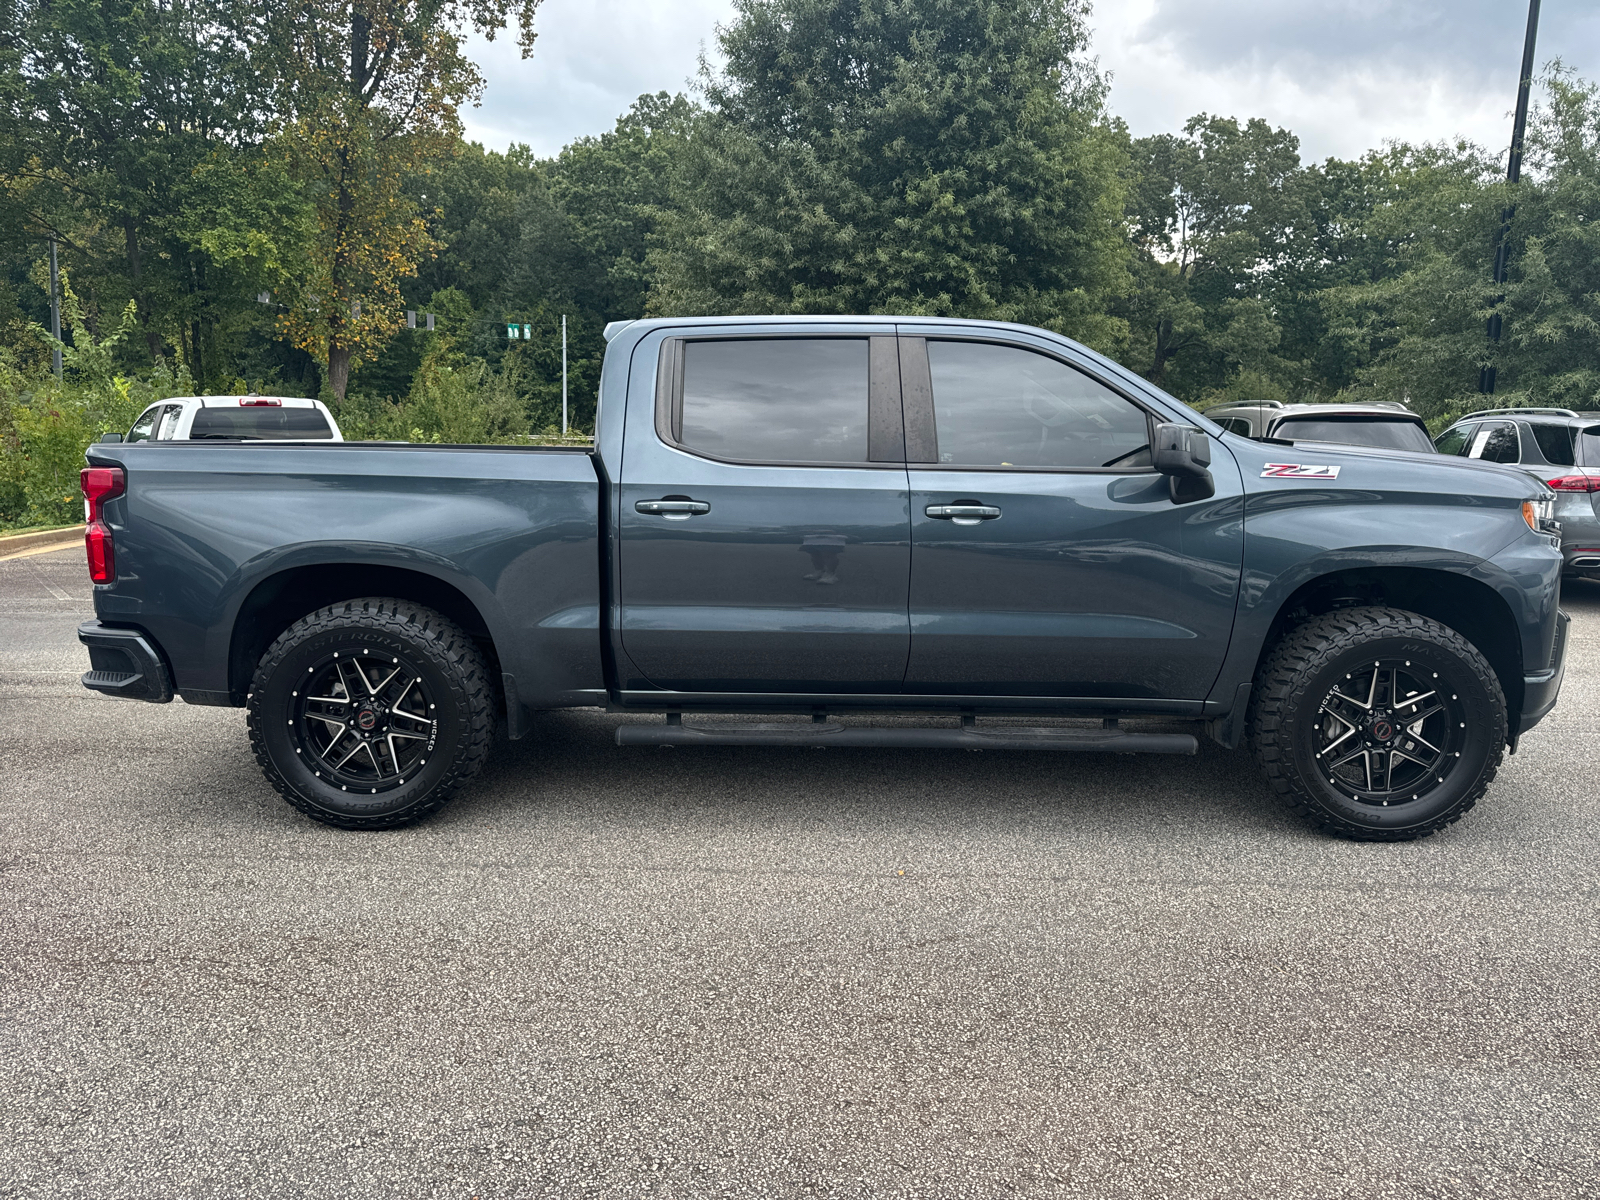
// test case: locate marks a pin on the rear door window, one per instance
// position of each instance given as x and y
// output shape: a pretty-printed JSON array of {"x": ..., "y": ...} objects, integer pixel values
[
  {"x": 1555, "y": 443},
  {"x": 1456, "y": 441},
  {"x": 1589, "y": 446},
  {"x": 1496, "y": 441},
  {"x": 167, "y": 428},
  {"x": 145, "y": 425},
  {"x": 776, "y": 400},
  {"x": 1385, "y": 432},
  {"x": 261, "y": 424},
  {"x": 1002, "y": 406}
]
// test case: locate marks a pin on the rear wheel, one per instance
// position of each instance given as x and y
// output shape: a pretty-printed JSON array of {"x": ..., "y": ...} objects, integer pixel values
[
  {"x": 1378, "y": 724},
  {"x": 370, "y": 713}
]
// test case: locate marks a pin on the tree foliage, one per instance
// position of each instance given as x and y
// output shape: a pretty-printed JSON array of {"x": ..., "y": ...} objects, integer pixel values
[
  {"x": 939, "y": 157},
  {"x": 920, "y": 156}
]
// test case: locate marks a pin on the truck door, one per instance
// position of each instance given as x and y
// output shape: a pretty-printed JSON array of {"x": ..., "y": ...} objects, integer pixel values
[
  {"x": 1048, "y": 558},
  {"x": 765, "y": 523}
]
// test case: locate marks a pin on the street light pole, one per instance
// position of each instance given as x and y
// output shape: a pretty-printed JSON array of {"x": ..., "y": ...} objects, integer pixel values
[
  {"x": 55, "y": 309},
  {"x": 563, "y": 374},
  {"x": 1519, "y": 125}
]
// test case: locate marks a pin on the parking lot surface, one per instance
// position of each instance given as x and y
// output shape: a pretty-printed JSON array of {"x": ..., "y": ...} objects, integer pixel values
[{"x": 772, "y": 973}]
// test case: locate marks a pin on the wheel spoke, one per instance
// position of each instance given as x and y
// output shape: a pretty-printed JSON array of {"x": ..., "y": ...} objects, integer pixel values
[
  {"x": 1339, "y": 762},
  {"x": 1426, "y": 765},
  {"x": 1411, "y": 722},
  {"x": 354, "y": 750}
]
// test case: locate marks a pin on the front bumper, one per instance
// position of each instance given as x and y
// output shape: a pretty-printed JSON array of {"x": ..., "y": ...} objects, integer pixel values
[
  {"x": 1539, "y": 690},
  {"x": 124, "y": 663}
]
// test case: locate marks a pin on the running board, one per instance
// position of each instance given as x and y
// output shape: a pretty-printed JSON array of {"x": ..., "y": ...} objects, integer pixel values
[{"x": 1001, "y": 737}]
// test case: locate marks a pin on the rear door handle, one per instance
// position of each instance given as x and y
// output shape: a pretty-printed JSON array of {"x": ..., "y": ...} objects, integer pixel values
[
  {"x": 673, "y": 510},
  {"x": 963, "y": 514}
]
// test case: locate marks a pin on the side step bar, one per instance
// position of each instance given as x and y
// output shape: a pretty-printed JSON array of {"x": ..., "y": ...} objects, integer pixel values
[{"x": 1110, "y": 740}]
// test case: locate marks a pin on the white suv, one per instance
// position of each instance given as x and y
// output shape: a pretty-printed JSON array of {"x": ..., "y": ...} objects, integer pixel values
[{"x": 236, "y": 418}]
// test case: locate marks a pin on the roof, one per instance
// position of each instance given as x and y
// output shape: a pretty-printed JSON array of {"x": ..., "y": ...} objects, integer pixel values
[
  {"x": 1553, "y": 416},
  {"x": 1278, "y": 409}
]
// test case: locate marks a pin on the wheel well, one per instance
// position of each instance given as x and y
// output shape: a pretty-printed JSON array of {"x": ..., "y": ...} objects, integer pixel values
[
  {"x": 1472, "y": 609},
  {"x": 282, "y": 599}
]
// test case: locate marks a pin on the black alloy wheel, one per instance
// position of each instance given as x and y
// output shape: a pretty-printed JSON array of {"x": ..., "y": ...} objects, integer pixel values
[
  {"x": 1378, "y": 724},
  {"x": 1390, "y": 731},
  {"x": 368, "y": 720},
  {"x": 369, "y": 714}
]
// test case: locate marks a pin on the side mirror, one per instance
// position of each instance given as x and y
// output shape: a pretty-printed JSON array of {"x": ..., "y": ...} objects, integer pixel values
[
  {"x": 108, "y": 438},
  {"x": 1183, "y": 454}
]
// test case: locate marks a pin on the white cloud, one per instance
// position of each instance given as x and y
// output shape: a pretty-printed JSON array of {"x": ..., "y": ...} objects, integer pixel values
[
  {"x": 593, "y": 58},
  {"x": 1345, "y": 75}
]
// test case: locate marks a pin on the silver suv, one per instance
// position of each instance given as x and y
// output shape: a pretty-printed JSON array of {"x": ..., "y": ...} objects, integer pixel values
[
  {"x": 1391, "y": 426},
  {"x": 1557, "y": 446}
]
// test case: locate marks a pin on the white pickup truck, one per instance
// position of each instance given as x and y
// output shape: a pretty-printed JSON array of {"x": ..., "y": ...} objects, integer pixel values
[{"x": 236, "y": 418}]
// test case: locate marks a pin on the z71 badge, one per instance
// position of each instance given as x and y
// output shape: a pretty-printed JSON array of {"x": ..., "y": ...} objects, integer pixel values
[{"x": 1298, "y": 471}]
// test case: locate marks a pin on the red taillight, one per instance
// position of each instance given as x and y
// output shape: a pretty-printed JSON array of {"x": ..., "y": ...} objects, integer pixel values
[
  {"x": 1575, "y": 483},
  {"x": 102, "y": 559},
  {"x": 99, "y": 485},
  {"x": 258, "y": 402}
]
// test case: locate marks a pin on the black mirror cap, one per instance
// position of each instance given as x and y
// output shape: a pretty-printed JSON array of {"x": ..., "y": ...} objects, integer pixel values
[
  {"x": 1183, "y": 453},
  {"x": 106, "y": 439},
  {"x": 1180, "y": 450}
]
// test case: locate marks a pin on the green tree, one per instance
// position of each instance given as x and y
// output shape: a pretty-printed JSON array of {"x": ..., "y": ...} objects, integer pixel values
[
  {"x": 372, "y": 90},
  {"x": 125, "y": 129},
  {"x": 1214, "y": 216},
  {"x": 921, "y": 156}
]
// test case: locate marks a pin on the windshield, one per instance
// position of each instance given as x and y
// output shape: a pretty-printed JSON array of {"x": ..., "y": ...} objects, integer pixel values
[
  {"x": 1385, "y": 432},
  {"x": 261, "y": 424}
]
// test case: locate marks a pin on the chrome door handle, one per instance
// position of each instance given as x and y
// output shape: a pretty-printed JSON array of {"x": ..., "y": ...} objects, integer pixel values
[
  {"x": 963, "y": 514},
  {"x": 672, "y": 510}
]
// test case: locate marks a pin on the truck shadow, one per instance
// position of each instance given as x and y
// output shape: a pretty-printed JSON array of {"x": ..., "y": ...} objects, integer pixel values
[{"x": 569, "y": 764}]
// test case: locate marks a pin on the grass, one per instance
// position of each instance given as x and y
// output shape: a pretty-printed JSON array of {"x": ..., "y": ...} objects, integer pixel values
[{"x": 8, "y": 530}]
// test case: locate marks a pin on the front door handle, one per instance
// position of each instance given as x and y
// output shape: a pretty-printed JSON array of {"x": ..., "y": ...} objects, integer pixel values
[
  {"x": 673, "y": 510},
  {"x": 963, "y": 514}
]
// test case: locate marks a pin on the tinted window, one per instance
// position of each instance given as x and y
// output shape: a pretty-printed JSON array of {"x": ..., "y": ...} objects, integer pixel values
[
  {"x": 1496, "y": 442},
  {"x": 146, "y": 423},
  {"x": 1001, "y": 406},
  {"x": 1235, "y": 425},
  {"x": 1555, "y": 443},
  {"x": 1357, "y": 431},
  {"x": 1589, "y": 447},
  {"x": 1455, "y": 441},
  {"x": 260, "y": 424},
  {"x": 776, "y": 400}
]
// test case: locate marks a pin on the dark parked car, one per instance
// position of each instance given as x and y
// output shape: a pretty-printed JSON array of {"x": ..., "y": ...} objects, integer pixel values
[
  {"x": 1387, "y": 425},
  {"x": 1558, "y": 447},
  {"x": 983, "y": 523}
]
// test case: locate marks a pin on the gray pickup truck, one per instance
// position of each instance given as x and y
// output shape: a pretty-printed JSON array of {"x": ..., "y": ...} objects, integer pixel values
[{"x": 821, "y": 519}]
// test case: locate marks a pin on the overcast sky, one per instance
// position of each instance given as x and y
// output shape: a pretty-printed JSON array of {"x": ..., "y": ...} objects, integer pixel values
[{"x": 1343, "y": 74}]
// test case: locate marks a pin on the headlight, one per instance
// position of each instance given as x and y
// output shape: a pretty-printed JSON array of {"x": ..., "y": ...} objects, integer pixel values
[{"x": 1541, "y": 516}]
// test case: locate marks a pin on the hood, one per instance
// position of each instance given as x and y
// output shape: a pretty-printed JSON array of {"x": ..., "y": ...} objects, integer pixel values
[{"x": 1333, "y": 466}]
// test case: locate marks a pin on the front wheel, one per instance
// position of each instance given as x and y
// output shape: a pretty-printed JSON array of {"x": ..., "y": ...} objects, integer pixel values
[
  {"x": 370, "y": 713},
  {"x": 1378, "y": 724}
]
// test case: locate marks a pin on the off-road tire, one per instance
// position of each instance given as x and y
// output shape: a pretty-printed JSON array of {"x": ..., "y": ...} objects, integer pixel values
[
  {"x": 454, "y": 671},
  {"x": 1314, "y": 657}
]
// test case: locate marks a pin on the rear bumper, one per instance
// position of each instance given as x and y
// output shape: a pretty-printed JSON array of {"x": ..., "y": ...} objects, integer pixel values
[
  {"x": 1539, "y": 691},
  {"x": 124, "y": 663}
]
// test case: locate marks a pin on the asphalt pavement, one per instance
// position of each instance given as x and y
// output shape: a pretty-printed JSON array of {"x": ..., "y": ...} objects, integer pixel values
[{"x": 774, "y": 973}]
